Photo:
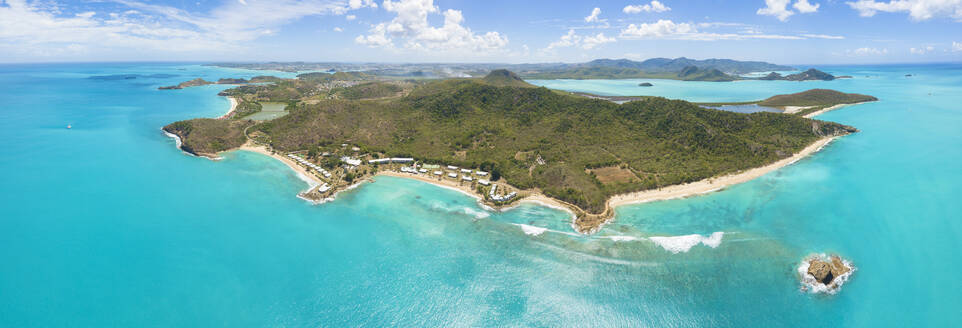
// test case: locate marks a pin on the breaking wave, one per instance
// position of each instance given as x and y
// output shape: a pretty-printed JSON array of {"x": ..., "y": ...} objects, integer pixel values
[{"x": 682, "y": 244}]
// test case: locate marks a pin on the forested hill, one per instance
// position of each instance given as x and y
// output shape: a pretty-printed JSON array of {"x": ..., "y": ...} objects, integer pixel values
[{"x": 575, "y": 149}]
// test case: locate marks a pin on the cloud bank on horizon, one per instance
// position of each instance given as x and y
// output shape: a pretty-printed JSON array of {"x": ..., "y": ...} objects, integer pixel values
[{"x": 784, "y": 31}]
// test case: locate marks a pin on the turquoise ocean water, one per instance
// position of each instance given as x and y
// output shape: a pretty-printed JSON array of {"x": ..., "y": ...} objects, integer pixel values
[{"x": 108, "y": 225}]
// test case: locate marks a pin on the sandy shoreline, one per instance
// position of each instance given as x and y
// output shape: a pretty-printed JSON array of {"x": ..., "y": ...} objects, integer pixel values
[
  {"x": 713, "y": 184},
  {"x": 829, "y": 109},
  {"x": 311, "y": 180},
  {"x": 534, "y": 196},
  {"x": 233, "y": 107}
]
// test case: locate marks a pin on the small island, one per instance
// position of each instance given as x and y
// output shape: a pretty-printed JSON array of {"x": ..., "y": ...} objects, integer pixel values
[
  {"x": 822, "y": 273},
  {"x": 645, "y": 84},
  {"x": 809, "y": 75},
  {"x": 503, "y": 140},
  {"x": 200, "y": 82}
]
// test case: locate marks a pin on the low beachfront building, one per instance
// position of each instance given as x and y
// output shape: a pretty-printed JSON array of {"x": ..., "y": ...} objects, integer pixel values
[
  {"x": 402, "y": 160},
  {"x": 351, "y": 161},
  {"x": 452, "y": 168},
  {"x": 453, "y": 175},
  {"x": 438, "y": 173},
  {"x": 423, "y": 171},
  {"x": 466, "y": 178},
  {"x": 481, "y": 173},
  {"x": 484, "y": 182},
  {"x": 379, "y": 161},
  {"x": 465, "y": 171}
]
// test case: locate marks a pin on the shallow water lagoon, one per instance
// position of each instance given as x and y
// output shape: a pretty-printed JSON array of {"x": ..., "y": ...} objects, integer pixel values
[
  {"x": 107, "y": 224},
  {"x": 269, "y": 111}
]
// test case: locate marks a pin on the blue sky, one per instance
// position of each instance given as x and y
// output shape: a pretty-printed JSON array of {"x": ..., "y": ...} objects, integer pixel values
[{"x": 780, "y": 31}]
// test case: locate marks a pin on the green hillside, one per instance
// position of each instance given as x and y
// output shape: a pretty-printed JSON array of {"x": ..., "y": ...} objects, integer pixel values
[{"x": 654, "y": 142}]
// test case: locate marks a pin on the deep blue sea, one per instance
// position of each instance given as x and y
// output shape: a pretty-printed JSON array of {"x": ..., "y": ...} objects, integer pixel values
[{"x": 107, "y": 224}]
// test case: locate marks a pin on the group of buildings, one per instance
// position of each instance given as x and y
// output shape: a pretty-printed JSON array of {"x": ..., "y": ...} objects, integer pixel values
[
  {"x": 449, "y": 171},
  {"x": 457, "y": 173},
  {"x": 304, "y": 162},
  {"x": 500, "y": 198},
  {"x": 322, "y": 188}
]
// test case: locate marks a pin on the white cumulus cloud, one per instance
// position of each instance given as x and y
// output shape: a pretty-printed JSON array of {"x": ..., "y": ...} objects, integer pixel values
[
  {"x": 590, "y": 41},
  {"x": 918, "y": 10},
  {"x": 777, "y": 8},
  {"x": 660, "y": 29},
  {"x": 571, "y": 39},
  {"x": 411, "y": 26},
  {"x": 593, "y": 17},
  {"x": 38, "y": 28},
  {"x": 956, "y": 46},
  {"x": 654, "y": 6},
  {"x": 803, "y": 6}
]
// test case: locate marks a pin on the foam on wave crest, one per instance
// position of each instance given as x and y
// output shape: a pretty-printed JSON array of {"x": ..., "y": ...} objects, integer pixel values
[{"x": 682, "y": 244}]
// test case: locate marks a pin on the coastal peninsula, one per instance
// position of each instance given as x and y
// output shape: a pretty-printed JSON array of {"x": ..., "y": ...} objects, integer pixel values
[
  {"x": 503, "y": 140},
  {"x": 807, "y": 104}
]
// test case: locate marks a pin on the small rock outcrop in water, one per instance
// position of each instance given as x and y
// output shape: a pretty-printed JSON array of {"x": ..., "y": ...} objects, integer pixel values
[
  {"x": 822, "y": 273},
  {"x": 645, "y": 84}
]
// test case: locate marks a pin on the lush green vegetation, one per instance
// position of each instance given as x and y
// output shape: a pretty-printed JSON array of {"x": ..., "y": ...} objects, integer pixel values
[
  {"x": 816, "y": 97},
  {"x": 367, "y": 90},
  {"x": 336, "y": 76},
  {"x": 810, "y": 74},
  {"x": 207, "y": 136},
  {"x": 532, "y": 137},
  {"x": 506, "y": 78},
  {"x": 693, "y": 73},
  {"x": 471, "y": 124}
]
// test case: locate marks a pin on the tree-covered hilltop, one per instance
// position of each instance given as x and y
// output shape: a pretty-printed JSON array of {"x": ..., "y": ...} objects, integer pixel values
[
  {"x": 805, "y": 102},
  {"x": 816, "y": 97},
  {"x": 208, "y": 136},
  {"x": 809, "y": 75},
  {"x": 575, "y": 149}
]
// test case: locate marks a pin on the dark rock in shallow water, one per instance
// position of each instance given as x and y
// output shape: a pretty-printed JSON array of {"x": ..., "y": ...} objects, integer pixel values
[
  {"x": 825, "y": 271},
  {"x": 645, "y": 84},
  {"x": 822, "y": 271}
]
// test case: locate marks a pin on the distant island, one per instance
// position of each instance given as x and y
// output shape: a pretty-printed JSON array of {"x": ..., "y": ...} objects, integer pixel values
[
  {"x": 502, "y": 140},
  {"x": 199, "y": 82},
  {"x": 685, "y": 69},
  {"x": 807, "y": 103},
  {"x": 809, "y": 75}
]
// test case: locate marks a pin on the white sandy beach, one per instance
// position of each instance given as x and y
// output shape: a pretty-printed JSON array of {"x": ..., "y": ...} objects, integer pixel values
[
  {"x": 233, "y": 107},
  {"x": 794, "y": 109},
  {"x": 712, "y": 184},
  {"x": 829, "y": 109},
  {"x": 302, "y": 172},
  {"x": 534, "y": 196}
]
